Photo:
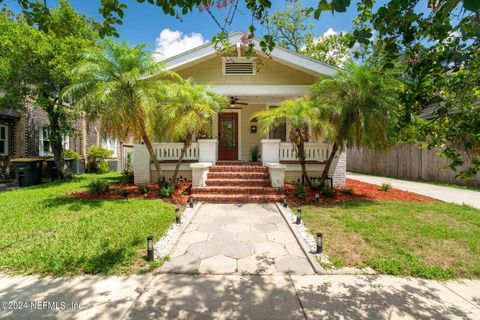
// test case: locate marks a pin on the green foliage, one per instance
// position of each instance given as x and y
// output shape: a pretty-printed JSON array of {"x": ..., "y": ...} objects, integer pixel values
[
  {"x": 300, "y": 192},
  {"x": 347, "y": 191},
  {"x": 254, "y": 153},
  {"x": 99, "y": 186},
  {"x": 96, "y": 159},
  {"x": 71, "y": 154},
  {"x": 165, "y": 191},
  {"x": 328, "y": 192},
  {"x": 385, "y": 187},
  {"x": 144, "y": 188},
  {"x": 122, "y": 192},
  {"x": 332, "y": 49},
  {"x": 128, "y": 175}
]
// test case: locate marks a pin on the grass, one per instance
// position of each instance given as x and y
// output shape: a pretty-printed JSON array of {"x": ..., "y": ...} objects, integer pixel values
[
  {"x": 433, "y": 241},
  {"x": 43, "y": 231}
]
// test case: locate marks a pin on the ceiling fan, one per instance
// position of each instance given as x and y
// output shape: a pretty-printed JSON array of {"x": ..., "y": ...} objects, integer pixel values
[{"x": 234, "y": 102}]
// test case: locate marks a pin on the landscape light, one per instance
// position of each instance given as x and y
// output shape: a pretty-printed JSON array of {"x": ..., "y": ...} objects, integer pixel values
[
  {"x": 299, "y": 216},
  {"x": 317, "y": 197},
  {"x": 319, "y": 242},
  {"x": 285, "y": 204},
  {"x": 177, "y": 215},
  {"x": 190, "y": 201},
  {"x": 150, "y": 254}
]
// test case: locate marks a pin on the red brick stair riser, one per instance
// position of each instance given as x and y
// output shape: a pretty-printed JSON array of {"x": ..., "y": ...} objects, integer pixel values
[
  {"x": 227, "y": 190},
  {"x": 237, "y": 198},
  {"x": 238, "y": 182}
]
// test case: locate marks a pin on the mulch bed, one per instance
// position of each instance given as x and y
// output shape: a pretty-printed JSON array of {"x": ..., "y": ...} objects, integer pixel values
[
  {"x": 361, "y": 191},
  {"x": 179, "y": 197}
]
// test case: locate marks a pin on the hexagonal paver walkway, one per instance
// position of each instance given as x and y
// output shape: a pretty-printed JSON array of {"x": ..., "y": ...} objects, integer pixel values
[{"x": 238, "y": 239}]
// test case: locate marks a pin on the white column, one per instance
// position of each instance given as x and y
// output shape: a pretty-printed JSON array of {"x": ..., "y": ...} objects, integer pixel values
[
  {"x": 141, "y": 164},
  {"x": 277, "y": 174},
  {"x": 338, "y": 170},
  {"x": 208, "y": 150},
  {"x": 199, "y": 173},
  {"x": 270, "y": 149}
]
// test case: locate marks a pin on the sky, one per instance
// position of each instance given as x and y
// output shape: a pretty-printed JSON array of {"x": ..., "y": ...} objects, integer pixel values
[{"x": 145, "y": 23}]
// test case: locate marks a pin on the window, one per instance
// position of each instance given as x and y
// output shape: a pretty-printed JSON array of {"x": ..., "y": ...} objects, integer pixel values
[
  {"x": 110, "y": 144},
  {"x": 3, "y": 140},
  {"x": 44, "y": 143},
  {"x": 279, "y": 132},
  {"x": 238, "y": 67}
]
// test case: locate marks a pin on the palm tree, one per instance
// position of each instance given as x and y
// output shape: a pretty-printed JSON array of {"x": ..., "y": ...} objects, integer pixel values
[
  {"x": 300, "y": 114},
  {"x": 120, "y": 86},
  {"x": 189, "y": 114},
  {"x": 360, "y": 103}
]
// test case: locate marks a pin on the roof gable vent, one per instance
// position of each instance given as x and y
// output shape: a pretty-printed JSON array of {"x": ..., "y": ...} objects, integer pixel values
[{"x": 238, "y": 67}]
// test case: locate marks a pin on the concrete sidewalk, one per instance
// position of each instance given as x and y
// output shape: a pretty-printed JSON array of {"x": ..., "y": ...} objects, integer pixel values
[
  {"x": 176, "y": 296},
  {"x": 447, "y": 194}
]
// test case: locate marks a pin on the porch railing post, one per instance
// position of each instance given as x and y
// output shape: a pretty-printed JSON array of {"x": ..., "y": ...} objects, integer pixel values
[
  {"x": 270, "y": 149},
  {"x": 208, "y": 150}
]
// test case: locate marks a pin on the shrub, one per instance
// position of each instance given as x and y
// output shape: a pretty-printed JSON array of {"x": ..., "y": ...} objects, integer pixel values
[
  {"x": 127, "y": 175},
  {"x": 328, "y": 192},
  {"x": 385, "y": 187},
  {"x": 98, "y": 186},
  {"x": 165, "y": 191},
  {"x": 143, "y": 188},
  {"x": 96, "y": 160},
  {"x": 123, "y": 192},
  {"x": 254, "y": 153},
  {"x": 71, "y": 154},
  {"x": 347, "y": 191},
  {"x": 300, "y": 191}
]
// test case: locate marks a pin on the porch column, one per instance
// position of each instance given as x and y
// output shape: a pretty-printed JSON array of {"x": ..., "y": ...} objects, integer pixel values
[
  {"x": 141, "y": 164},
  {"x": 208, "y": 150},
  {"x": 270, "y": 149}
]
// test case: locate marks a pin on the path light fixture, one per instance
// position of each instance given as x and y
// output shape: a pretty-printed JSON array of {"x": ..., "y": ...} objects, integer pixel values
[
  {"x": 190, "y": 202},
  {"x": 150, "y": 254},
  {"x": 299, "y": 216},
  {"x": 319, "y": 242},
  {"x": 317, "y": 197},
  {"x": 285, "y": 204},
  {"x": 177, "y": 215}
]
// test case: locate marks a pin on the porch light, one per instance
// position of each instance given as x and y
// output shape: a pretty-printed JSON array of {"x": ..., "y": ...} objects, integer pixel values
[
  {"x": 299, "y": 216},
  {"x": 190, "y": 202},
  {"x": 319, "y": 242},
  {"x": 150, "y": 254},
  {"x": 317, "y": 197},
  {"x": 285, "y": 204},
  {"x": 177, "y": 216}
]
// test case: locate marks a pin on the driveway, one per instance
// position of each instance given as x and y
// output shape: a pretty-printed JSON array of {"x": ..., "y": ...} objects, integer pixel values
[
  {"x": 238, "y": 239},
  {"x": 447, "y": 194},
  {"x": 178, "y": 296}
]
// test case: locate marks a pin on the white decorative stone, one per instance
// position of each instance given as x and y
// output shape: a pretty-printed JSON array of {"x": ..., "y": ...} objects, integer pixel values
[
  {"x": 199, "y": 173},
  {"x": 270, "y": 150}
]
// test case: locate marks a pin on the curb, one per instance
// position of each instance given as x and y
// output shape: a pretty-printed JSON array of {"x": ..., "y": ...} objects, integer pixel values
[{"x": 310, "y": 257}]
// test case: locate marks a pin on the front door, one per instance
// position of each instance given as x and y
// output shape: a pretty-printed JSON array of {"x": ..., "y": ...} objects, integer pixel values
[{"x": 228, "y": 136}]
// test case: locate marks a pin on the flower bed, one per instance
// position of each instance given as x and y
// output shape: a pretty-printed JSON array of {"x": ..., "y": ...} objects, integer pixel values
[{"x": 361, "y": 191}]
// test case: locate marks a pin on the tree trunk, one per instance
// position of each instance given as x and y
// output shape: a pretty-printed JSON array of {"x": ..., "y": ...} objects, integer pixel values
[
  {"x": 56, "y": 141},
  {"x": 328, "y": 165},
  {"x": 153, "y": 156},
  {"x": 301, "y": 158},
  {"x": 186, "y": 145}
]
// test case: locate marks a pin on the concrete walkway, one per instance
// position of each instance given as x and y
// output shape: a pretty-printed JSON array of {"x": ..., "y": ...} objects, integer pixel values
[
  {"x": 174, "y": 296},
  {"x": 242, "y": 239},
  {"x": 447, "y": 194}
]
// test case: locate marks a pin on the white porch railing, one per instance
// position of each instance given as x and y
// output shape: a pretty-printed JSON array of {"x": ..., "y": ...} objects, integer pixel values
[
  {"x": 313, "y": 151},
  {"x": 171, "y": 151}
]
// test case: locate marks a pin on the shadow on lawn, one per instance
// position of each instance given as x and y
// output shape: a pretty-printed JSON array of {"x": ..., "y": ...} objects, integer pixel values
[
  {"x": 170, "y": 296},
  {"x": 73, "y": 204}
]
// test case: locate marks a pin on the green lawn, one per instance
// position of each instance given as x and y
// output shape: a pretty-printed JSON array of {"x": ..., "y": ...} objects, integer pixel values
[
  {"x": 44, "y": 232},
  {"x": 434, "y": 241}
]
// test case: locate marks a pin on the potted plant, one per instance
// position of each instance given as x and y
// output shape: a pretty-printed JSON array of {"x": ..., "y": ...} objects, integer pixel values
[{"x": 254, "y": 153}]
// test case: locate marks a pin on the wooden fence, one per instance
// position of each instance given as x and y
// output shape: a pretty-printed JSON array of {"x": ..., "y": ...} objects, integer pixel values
[{"x": 405, "y": 161}]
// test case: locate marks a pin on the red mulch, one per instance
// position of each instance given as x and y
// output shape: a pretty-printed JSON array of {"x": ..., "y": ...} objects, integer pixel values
[
  {"x": 361, "y": 191},
  {"x": 180, "y": 195}
]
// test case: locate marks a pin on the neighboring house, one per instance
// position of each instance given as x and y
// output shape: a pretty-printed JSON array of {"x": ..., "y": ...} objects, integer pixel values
[
  {"x": 251, "y": 85},
  {"x": 26, "y": 134}
]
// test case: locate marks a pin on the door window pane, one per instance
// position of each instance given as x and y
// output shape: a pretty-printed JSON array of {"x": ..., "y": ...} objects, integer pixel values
[{"x": 228, "y": 132}]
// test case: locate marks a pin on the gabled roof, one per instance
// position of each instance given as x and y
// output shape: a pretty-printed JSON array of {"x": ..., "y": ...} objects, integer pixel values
[{"x": 280, "y": 55}]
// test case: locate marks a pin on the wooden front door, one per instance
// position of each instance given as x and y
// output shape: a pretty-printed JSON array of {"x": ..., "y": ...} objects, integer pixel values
[{"x": 228, "y": 136}]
